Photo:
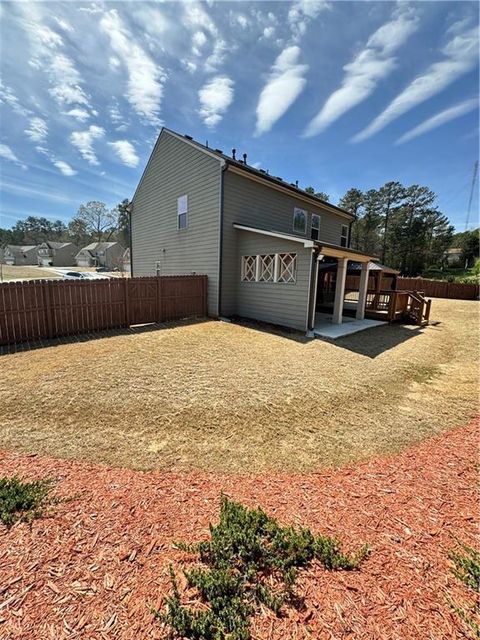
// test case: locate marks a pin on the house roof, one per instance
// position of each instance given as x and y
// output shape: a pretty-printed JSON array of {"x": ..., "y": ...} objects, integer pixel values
[
  {"x": 454, "y": 251},
  {"x": 274, "y": 181},
  {"x": 357, "y": 266},
  {"x": 98, "y": 246},
  {"x": 13, "y": 248},
  {"x": 55, "y": 245}
]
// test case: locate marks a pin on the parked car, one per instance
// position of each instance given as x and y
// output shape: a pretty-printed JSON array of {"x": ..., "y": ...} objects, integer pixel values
[{"x": 74, "y": 275}]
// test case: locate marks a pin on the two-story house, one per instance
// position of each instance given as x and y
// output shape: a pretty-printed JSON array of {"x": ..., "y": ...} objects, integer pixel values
[
  {"x": 101, "y": 254},
  {"x": 56, "y": 254},
  {"x": 259, "y": 239},
  {"x": 20, "y": 255}
]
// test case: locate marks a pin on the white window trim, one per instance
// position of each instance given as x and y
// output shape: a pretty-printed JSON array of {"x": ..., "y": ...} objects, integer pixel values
[
  {"x": 305, "y": 214},
  {"x": 344, "y": 235},
  {"x": 182, "y": 211},
  {"x": 261, "y": 267},
  {"x": 294, "y": 272},
  {"x": 315, "y": 215}
]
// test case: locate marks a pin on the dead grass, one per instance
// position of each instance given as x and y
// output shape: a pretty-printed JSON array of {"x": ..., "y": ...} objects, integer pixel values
[
  {"x": 30, "y": 272},
  {"x": 233, "y": 398}
]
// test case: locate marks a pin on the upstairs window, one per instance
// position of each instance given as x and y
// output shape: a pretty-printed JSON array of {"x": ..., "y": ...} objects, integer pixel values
[
  {"x": 344, "y": 236},
  {"x": 287, "y": 267},
  {"x": 315, "y": 231},
  {"x": 299, "y": 221},
  {"x": 182, "y": 212},
  {"x": 266, "y": 268},
  {"x": 249, "y": 268}
]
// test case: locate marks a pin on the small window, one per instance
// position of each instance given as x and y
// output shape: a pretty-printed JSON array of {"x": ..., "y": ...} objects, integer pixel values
[
  {"x": 344, "y": 236},
  {"x": 287, "y": 267},
  {"x": 315, "y": 231},
  {"x": 182, "y": 212},
  {"x": 299, "y": 221},
  {"x": 249, "y": 268},
  {"x": 266, "y": 268}
]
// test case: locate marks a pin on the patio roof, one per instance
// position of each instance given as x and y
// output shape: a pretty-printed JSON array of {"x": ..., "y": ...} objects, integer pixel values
[{"x": 357, "y": 266}]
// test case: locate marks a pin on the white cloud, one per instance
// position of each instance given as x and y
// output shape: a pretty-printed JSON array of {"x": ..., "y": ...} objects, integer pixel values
[
  {"x": 145, "y": 78},
  {"x": 440, "y": 118},
  {"x": 199, "y": 39},
  {"x": 83, "y": 140},
  {"x": 65, "y": 80},
  {"x": 7, "y": 154},
  {"x": 461, "y": 55},
  {"x": 37, "y": 130},
  {"x": 217, "y": 57},
  {"x": 242, "y": 20},
  {"x": 63, "y": 24},
  {"x": 362, "y": 75},
  {"x": 79, "y": 114},
  {"x": 215, "y": 98},
  {"x": 285, "y": 83},
  {"x": 302, "y": 12},
  {"x": 126, "y": 152},
  {"x": 269, "y": 32},
  {"x": 8, "y": 97},
  {"x": 64, "y": 167}
]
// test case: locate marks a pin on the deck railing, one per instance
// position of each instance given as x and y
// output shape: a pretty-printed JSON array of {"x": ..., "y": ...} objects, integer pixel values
[{"x": 395, "y": 305}]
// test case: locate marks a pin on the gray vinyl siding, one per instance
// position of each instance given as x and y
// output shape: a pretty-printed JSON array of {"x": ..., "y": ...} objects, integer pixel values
[
  {"x": 275, "y": 302},
  {"x": 256, "y": 205},
  {"x": 176, "y": 169}
]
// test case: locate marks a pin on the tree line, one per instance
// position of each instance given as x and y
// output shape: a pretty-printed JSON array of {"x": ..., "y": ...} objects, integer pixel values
[
  {"x": 403, "y": 227},
  {"x": 93, "y": 222}
]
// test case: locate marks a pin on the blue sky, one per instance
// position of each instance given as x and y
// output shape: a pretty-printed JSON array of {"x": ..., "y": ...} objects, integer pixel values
[{"x": 333, "y": 94}]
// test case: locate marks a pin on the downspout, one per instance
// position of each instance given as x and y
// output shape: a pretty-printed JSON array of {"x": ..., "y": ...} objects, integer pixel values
[
  {"x": 224, "y": 166},
  {"x": 130, "y": 211}
]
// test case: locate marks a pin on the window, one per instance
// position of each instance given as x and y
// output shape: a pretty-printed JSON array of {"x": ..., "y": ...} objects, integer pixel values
[
  {"x": 266, "y": 268},
  {"x": 182, "y": 212},
  {"x": 287, "y": 267},
  {"x": 315, "y": 231},
  {"x": 299, "y": 221},
  {"x": 344, "y": 236},
  {"x": 249, "y": 268}
]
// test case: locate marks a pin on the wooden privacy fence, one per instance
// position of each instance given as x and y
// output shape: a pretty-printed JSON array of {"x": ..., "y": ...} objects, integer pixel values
[
  {"x": 439, "y": 288},
  {"x": 50, "y": 308}
]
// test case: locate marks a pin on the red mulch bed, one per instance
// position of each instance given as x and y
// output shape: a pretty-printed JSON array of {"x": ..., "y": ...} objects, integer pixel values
[{"x": 99, "y": 564}]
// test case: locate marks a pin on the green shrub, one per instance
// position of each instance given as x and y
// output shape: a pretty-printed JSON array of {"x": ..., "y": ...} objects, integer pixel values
[
  {"x": 249, "y": 559},
  {"x": 22, "y": 500}
]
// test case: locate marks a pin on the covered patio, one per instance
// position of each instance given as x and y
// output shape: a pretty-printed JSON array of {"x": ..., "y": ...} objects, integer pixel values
[{"x": 352, "y": 293}]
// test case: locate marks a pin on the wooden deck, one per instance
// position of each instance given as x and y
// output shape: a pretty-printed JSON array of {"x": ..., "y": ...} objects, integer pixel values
[{"x": 393, "y": 306}]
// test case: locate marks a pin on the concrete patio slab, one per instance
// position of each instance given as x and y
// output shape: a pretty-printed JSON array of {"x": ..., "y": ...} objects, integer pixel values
[{"x": 324, "y": 328}]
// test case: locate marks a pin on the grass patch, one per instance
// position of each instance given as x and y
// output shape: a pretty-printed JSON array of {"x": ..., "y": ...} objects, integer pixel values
[
  {"x": 466, "y": 567},
  {"x": 23, "y": 500},
  {"x": 249, "y": 560}
]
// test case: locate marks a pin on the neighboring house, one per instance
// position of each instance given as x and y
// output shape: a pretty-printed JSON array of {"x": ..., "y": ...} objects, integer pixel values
[
  {"x": 16, "y": 255},
  {"x": 56, "y": 254},
  {"x": 258, "y": 238},
  {"x": 100, "y": 254},
  {"x": 454, "y": 257}
]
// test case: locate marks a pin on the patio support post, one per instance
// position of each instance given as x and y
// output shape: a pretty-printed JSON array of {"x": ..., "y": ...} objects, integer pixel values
[
  {"x": 362, "y": 291},
  {"x": 339, "y": 290}
]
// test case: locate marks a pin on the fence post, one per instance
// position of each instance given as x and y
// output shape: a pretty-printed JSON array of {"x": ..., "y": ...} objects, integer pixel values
[
  {"x": 47, "y": 308},
  {"x": 127, "y": 302},
  {"x": 204, "y": 292},
  {"x": 159, "y": 299}
]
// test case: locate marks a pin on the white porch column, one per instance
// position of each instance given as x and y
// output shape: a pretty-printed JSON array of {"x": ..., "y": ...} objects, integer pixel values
[
  {"x": 339, "y": 291},
  {"x": 362, "y": 291}
]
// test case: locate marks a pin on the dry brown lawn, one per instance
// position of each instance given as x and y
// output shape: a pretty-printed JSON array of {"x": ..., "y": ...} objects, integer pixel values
[
  {"x": 30, "y": 272},
  {"x": 221, "y": 396}
]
